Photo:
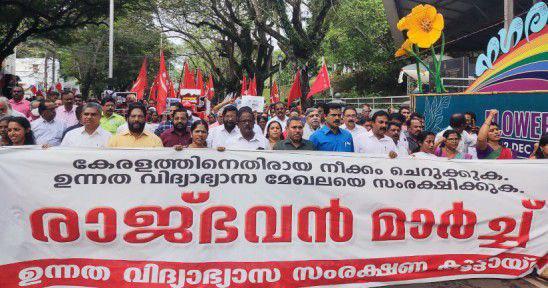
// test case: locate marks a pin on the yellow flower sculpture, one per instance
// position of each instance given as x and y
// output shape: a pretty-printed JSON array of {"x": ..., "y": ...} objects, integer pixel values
[
  {"x": 406, "y": 46},
  {"x": 424, "y": 25}
]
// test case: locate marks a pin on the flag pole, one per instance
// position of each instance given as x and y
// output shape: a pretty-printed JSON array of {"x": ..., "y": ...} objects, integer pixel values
[
  {"x": 330, "y": 87},
  {"x": 111, "y": 41}
]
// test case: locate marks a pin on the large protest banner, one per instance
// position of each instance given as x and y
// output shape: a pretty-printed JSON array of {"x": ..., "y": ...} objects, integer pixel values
[{"x": 202, "y": 218}]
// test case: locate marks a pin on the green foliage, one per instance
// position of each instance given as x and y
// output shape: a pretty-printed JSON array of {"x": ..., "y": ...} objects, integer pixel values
[
  {"x": 359, "y": 39},
  {"x": 52, "y": 19},
  {"x": 135, "y": 37}
]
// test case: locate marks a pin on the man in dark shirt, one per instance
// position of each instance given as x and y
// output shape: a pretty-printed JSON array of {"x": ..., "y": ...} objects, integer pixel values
[
  {"x": 294, "y": 140},
  {"x": 414, "y": 128},
  {"x": 178, "y": 135}
]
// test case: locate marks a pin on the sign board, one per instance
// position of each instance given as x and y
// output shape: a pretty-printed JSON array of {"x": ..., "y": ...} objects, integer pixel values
[
  {"x": 136, "y": 218},
  {"x": 256, "y": 103},
  {"x": 523, "y": 117}
]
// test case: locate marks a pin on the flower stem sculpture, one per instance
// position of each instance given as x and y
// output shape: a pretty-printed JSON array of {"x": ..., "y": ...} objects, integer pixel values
[{"x": 424, "y": 27}]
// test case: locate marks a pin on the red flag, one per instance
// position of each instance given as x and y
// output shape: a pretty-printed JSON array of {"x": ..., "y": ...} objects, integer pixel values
[
  {"x": 162, "y": 85},
  {"x": 140, "y": 85},
  {"x": 274, "y": 93},
  {"x": 59, "y": 87},
  {"x": 321, "y": 83},
  {"x": 295, "y": 92},
  {"x": 244, "y": 87},
  {"x": 192, "y": 79},
  {"x": 252, "y": 89},
  {"x": 200, "y": 82},
  {"x": 188, "y": 80},
  {"x": 33, "y": 89},
  {"x": 172, "y": 93},
  {"x": 210, "y": 90},
  {"x": 153, "y": 89}
]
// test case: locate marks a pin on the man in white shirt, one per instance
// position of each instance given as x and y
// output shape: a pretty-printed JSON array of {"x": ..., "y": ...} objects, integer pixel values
[
  {"x": 313, "y": 122},
  {"x": 467, "y": 142},
  {"x": 376, "y": 143},
  {"x": 91, "y": 134},
  {"x": 247, "y": 138},
  {"x": 350, "y": 117},
  {"x": 220, "y": 135},
  {"x": 280, "y": 115},
  {"x": 47, "y": 130},
  {"x": 393, "y": 130}
]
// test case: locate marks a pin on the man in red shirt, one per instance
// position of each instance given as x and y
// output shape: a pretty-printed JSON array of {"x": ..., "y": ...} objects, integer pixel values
[{"x": 178, "y": 135}]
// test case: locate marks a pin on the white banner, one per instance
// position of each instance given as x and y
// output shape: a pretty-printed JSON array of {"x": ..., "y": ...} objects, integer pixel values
[
  {"x": 202, "y": 218},
  {"x": 256, "y": 103}
]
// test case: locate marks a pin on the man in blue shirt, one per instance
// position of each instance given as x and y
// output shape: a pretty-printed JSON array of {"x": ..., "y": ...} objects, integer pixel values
[{"x": 330, "y": 137}]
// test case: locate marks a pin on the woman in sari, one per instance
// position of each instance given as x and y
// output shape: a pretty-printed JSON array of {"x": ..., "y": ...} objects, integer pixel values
[
  {"x": 489, "y": 145},
  {"x": 448, "y": 149}
]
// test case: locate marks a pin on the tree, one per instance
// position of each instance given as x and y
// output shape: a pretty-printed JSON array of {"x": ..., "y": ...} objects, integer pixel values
[
  {"x": 359, "y": 40},
  {"x": 226, "y": 27},
  {"x": 299, "y": 26},
  {"x": 22, "y": 19},
  {"x": 136, "y": 37}
]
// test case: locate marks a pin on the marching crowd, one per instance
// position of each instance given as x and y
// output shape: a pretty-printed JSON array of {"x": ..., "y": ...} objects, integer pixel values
[{"x": 71, "y": 122}]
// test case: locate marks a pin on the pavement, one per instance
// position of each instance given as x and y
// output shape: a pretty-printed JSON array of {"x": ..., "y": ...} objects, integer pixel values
[{"x": 526, "y": 282}]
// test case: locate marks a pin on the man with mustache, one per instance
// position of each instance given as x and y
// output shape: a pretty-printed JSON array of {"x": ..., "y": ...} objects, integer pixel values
[
  {"x": 350, "y": 118},
  {"x": 330, "y": 137},
  {"x": 136, "y": 136},
  {"x": 376, "y": 143},
  {"x": 280, "y": 109},
  {"x": 67, "y": 112},
  {"x": 110, "y": 121},
  {"x": 313, "y": 122},
  {"x": 179, "y": 134},
  {"x": 247, "y": 138}
]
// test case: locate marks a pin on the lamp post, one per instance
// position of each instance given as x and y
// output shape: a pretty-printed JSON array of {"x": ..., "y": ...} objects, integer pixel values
[{"x": 110, "y": 41}]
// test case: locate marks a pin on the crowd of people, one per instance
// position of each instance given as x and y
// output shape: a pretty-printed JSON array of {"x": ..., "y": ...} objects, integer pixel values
[{"x": 66, "y": 120}]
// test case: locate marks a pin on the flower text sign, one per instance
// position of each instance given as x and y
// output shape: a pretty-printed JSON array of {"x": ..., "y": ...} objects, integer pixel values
[{"x": 202, "y": 218}]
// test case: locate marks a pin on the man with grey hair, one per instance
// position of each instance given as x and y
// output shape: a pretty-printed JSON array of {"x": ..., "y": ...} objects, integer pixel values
[
  {"x": 91, "y": 134},
  {"x": 313, "y": 122},
  {"x": 5, "y": 109}
]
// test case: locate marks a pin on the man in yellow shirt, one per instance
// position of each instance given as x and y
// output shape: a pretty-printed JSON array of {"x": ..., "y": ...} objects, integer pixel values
[
  {"x": 110, "y": 121},
  {"x": 136, "y": 136}
]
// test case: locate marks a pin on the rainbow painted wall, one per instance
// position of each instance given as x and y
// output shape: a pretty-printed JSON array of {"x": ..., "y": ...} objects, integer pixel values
[{"x": 524, "y": 68}]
